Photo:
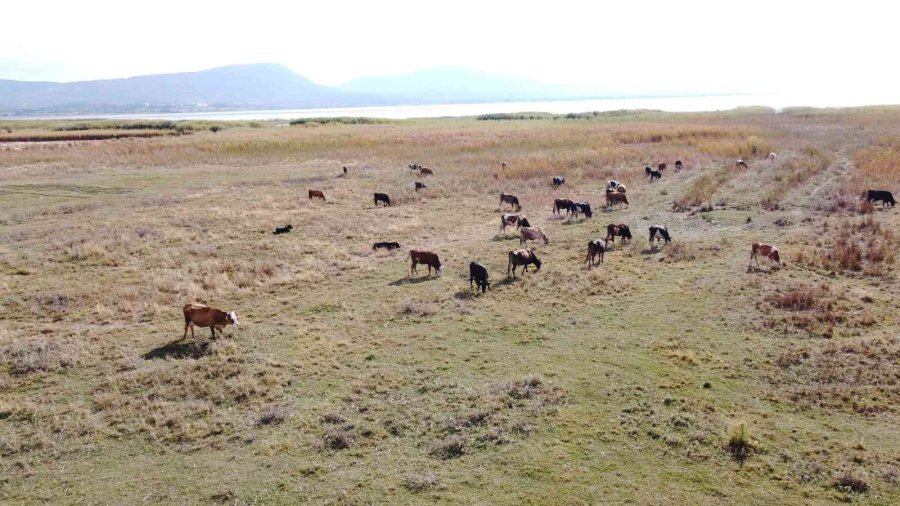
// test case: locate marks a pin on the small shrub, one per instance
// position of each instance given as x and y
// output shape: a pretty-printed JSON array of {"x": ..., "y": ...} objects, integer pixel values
[
  {"x": 850, "y": 482},
  {"x": 338, "y": 440},
  {"x": 739, "y": 442},
  {"x": 449, "y": 448},
  {"x": 331, "y": 419},
  {"x": 421, "y": 483},
  {"x": 273, "y": 415}
]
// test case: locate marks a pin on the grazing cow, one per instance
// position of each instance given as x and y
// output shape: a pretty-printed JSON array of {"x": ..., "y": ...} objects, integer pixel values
[
  {"x": 283, "y": 230},
  {"x": 386, "y": 245},
  {"x": 647, "y": 170},
  {"x": 678, "y": 165},
  {"x": 425, "y": 258},
  {"x": 562, "y": 204},
  {"x": 661, "y": 167},
  {"x": 558, "y": 181},
  {"x": 425, "y": 171},
  {"x": 205, "y": 316},
  {"x": 741, "y": 164},
  {"x": 383, "y": 198},
  {"x": 615, "y": 198},
  {"x": 621, "y": 230},
  {"x": 503, "y": 165},
  {"x": 621, "y": 188},
  {"x": 414, "y": 166},
  {"x": 655, "y": 174},
  {"x": 345, "y": 171},
  {"x": 532, "y": 234},
  {"x": 512, "y": 200},
  {"x": 595, "y": 248},
  {"x": 316, "y": 194},
  {"x": 884, "y": 196},
  {"x": 766, "y": 250},
  {"x": 508, "y": 220},
  {"x": 772, "y": 156},
  {"x": 524, "y": 258},
  {"x": 479, "y": 275},
  {"x": 420, "y": 186},
  {"x": 582, "y": 207},
  {"x": 659, "y": 233}
]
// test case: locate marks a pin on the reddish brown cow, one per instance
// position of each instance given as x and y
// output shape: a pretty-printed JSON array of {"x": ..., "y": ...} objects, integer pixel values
[
  {"x": 766, "y": 250},
  {"x": 425, "y": 258},
  {"x": 661, "y": 167},
  {"x": 615, "y": 198},
  {"x": 425, "y": 171},
  {"x": 316, "y": 194},
  {"x": 205, "y": 316},
  {"x": 512, "y": 200}
]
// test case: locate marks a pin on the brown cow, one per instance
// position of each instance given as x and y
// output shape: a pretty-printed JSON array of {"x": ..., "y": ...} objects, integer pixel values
[
  {"x": 205, "y": 316},
  {"x": 532, "y": 234},
  {"x": 563, "y": 204},
  {"x": 661, "y": 167},
  {"x": 523, "y": 257},
  {"x": 615, "y": 198},
  {"x": 425, "y": 258},
  {"x": 425, "y": 171},
  {"x": 512, "y": 200},
  {"x": 595, "y": 248},
  {"x": 316, "y": 194},
  {"x": 621, "y": 230},
  {"x": 766, "y": 250},
  {"x": 741, "y": 164}
]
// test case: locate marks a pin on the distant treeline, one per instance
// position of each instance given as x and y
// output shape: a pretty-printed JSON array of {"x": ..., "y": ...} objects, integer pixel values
[
  {"x": 343, "y": 120},
  {"x": 631, "y": 113}
]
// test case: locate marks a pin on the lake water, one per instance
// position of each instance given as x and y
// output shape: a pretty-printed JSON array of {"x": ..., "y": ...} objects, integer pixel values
[{"x": 671, "y": 104}]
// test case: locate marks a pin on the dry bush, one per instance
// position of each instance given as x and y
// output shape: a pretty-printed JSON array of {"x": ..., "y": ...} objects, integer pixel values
[
  {"x": 851, "y": 482},
  {"x": 421, "y": 482},
  {"x": 274, "y": 415},
  {"x": 41, "y": 354},
  {"x": 449, "y": 448},
  {"x": 336, "y": 439},
  {"x": 680, "y": 252},
  {"x": 854, "y": 246},
  {"x": 703, "y": 189}
]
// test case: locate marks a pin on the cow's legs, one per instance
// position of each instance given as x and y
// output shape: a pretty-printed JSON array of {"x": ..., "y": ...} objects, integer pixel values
[{"x": 212, "y": 329}]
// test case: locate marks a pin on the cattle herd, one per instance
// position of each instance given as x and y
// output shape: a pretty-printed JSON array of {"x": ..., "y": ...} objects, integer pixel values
[{"x": 205, "y": 316}]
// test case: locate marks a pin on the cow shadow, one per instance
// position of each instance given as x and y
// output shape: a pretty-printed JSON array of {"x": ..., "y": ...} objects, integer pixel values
[
  {"x": 412, "y": 281},
  {"x": 507, "y": 280},
  {"x": 652, "y": 250},
  {"x": 178, "y": 350},
  {"x": 755, "y": 269},
  {"x": 506, "y": 237}
]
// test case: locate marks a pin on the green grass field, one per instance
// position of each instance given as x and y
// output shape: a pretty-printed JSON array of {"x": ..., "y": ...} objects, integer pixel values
[{"x": 668, "y": 375}]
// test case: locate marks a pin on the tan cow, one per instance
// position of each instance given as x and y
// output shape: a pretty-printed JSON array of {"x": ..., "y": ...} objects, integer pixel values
[
  {"x": 533, "y": 234},
  {"x": 615, "y": 198},
  {"x": 205, "y": 316}
]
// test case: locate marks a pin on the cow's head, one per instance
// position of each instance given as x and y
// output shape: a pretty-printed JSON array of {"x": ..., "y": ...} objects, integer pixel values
[
  {"x": 536, "y": 261},
  {"x": 625, "y": 232},
  {"x": 232, "y": 318}
]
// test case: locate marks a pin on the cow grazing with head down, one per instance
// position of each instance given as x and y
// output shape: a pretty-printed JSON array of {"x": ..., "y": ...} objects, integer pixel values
[
  {"x": 884, "y": 196},
  {"x": 383, "y": 198},
  {"x": 741, "y": 164},
  {"x": 595, "y": 248},
  {"x": 621, "y": 230},
  {"x": 425, "y": 258},
  {"x": 532, "y": 234},
  {"x": 425, "y": 171},
  {"x": 766, "y": 250},
  {"x": 562, "y": 204},
  {"x": 523, "y": 258},
  {"x": 661, "y": 167},
  {"x": 479, "y": 275},
  {"x": 414, "y": 166},
  {"x": 655, "y": 174},
  {"x": 582, "y": 207},
  {"x": 558, "y": 181},
  {"x": 678, "y": 165},
  {"x": 659, "y": 233},
  {"x": 283, "y": 230},
  {"x": 512, "y": 200},
  {"x": 386, "y": 245},
  {"x": 420, "y": 186},
  {"x": 205, "y": 316},
  {"x": 316, "y": 194},
  {"x": 508, "y": 220},
  {"x": 615, "y": 198}
]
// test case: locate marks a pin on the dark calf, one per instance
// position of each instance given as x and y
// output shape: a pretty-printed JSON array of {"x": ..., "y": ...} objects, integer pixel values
[
  {"x": 885, "y": 197},
  {"x": 383, "y": 198},
  {"x": 283, "y": 230},
  {"x": 386, "y": 245},
  {"x": 479, "y": 275}
]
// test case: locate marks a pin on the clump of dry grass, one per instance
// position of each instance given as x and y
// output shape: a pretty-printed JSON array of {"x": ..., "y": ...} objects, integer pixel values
[
  {"x": 703, "y": 189},
  {"x": 450, "y": 447},
  {"x": 851, "y": 482},
  {"x": 854, "y": 246},
  {"x": 793, "y": 173},
  {"x": 274, "y": 415},
  {"x": 41, "y": 354},
  {"x": 337, "y": 439},
  {"x": 421, "y": 482}
]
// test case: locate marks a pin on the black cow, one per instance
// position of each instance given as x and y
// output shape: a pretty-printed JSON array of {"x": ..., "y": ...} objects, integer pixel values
[
  {"x": 383, "y": 198},
  {"x": 420, "y": 186},
  {"x": 283, "y": 230},
  {"x": 479, "y": 275},
  {"x": 655, "y": 174},
  {"x": 583, "y": 207},
  {"x": 678, "y": 165},
  {"x": 386, "y": 245},
  {"x": 558, "y": 180},
  {"x": 596, "y": 248},
  {"x": 880, "y": 195},
  {"x": 659, "y": 233},
  {"x": 647, "y": 170}
]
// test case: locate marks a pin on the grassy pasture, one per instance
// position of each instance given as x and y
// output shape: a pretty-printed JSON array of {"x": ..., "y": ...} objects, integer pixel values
[{"x": 668, "y": 374}]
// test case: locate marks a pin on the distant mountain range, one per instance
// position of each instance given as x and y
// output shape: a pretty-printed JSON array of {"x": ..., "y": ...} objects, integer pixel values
[{"x": 264, "y": 86}]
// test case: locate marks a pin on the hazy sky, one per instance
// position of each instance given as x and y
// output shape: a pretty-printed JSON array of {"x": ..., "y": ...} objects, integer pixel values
[{"x": 632, "y": 46}]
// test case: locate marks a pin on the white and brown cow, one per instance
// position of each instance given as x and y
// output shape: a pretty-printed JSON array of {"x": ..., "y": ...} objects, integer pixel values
[
  {"x": 524, "y": 258},
  {"x": 766, "y": 250},
  {"x": 205, "y": 316},
  {"x": 508, "y": 220}
]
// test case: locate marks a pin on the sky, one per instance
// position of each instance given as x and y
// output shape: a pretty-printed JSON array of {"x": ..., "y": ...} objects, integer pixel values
[{"x": 632, "y": 47}]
